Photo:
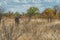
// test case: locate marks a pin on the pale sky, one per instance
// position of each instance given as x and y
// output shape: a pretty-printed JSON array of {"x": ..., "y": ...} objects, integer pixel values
[{"x": 23, "y": 5}]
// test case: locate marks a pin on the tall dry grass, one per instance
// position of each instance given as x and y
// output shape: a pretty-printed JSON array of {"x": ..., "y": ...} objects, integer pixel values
[{"x": 29, "y": 30}]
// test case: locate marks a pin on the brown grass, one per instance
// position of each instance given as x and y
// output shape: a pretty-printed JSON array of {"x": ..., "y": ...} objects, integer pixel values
[{"x": 36, "y": 29}]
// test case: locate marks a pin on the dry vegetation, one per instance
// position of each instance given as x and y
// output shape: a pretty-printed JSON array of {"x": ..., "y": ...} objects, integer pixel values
[
  {"x": 35, "y": 29},
  {"x": 31, "y": 25}
]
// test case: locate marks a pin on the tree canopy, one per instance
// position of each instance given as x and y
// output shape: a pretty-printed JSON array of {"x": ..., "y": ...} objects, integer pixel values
[{"x": 33, "y": 11}]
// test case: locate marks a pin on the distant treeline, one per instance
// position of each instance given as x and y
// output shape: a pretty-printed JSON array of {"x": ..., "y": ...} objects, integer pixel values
[{"x": 33, "y": 12}]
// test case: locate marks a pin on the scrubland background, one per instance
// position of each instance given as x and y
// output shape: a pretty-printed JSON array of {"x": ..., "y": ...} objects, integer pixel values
[{"x": 31, "y": 25}]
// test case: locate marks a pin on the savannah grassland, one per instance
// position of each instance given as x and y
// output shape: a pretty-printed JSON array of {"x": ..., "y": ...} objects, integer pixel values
[
  {"x": 35, "y": 29},
  {"x": 31, "y": 25}
]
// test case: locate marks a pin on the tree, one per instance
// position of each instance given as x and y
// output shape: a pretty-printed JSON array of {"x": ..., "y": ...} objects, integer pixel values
[
  {"x": 17, "y": 16},
  {"x": 57, "y": 11},
  {"x": 49, "y": 13},
  {"x": 32, "y": 11},
  {"x": 8, "y": 14}
]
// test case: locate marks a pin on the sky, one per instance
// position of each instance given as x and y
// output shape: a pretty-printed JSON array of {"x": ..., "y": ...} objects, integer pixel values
[{"x": 23, "y": 5}]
